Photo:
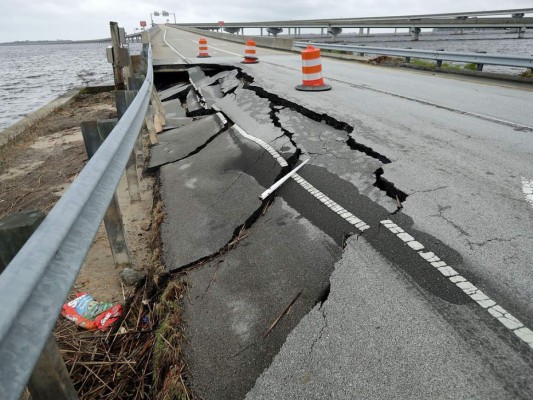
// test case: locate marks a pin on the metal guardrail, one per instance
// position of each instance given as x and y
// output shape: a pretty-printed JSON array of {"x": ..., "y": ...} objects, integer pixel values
[
  {"x": 475, "y": 58},
  {"x": 35, "y": 284}
]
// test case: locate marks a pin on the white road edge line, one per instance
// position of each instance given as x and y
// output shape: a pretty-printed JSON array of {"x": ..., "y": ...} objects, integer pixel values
[
  {"x": 341, "y": 211},
  {"x": 222, "y": 118},
  {"x": 527, "y": 188},
  {"x": 172, "y": 48},
  {"x": 280, "y": 182},
  {"x": 216, "y": 48},
  {"x": 498, "y": 312}
]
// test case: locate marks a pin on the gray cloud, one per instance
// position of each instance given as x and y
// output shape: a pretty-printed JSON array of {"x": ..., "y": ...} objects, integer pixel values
[{"x": 87, "y": 19}]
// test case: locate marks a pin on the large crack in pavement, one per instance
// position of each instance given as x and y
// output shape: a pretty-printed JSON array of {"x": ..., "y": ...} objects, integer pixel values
[
  {"x": 273, "y": 114},
  {"x": 239, "y": 233},
  {"x": 309, "y": 270},
  {"x": 276, "y": 103},
  {"x": 430, "y": 282},
  {"x": 195, "y": 151}
]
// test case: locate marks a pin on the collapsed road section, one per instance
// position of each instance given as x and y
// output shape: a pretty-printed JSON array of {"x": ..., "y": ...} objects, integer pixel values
[{"x": 255, "y": 268}]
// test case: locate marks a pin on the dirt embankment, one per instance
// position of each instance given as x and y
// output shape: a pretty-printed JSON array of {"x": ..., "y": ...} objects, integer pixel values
[
  {"x": 36, "y": 168},
  {"x": 39, "y": 165}
]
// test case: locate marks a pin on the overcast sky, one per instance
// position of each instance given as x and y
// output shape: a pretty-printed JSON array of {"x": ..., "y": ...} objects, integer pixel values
[{"x": 88, "y": 19}]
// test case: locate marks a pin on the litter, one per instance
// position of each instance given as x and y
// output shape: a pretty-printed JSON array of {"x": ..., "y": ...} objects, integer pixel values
[{"x": 90, "y": 314}]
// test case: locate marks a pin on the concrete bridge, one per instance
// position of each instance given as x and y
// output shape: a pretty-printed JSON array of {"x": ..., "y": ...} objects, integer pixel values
[
  {"x": 395, "y": 264},
  {"x": 507, "y": 19}
]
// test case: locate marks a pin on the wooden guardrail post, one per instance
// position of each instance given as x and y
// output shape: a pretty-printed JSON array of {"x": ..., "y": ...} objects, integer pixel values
[
  {"x": 104, "y": 129},
  {"x": 145, "y": 39},
  {"x": 139, "y": 63},
  {"x": 135, "y": 83},
  {"x": 118, "y": 59},
  {"x": 149, "y": 122},
  {"x": 123, "y": 99},
  {"x": 50, "y": 379},
  {"x": 158, "y": 106},
  {"x": 15, "y": 230},
  {"x": 113, "y": 218}
]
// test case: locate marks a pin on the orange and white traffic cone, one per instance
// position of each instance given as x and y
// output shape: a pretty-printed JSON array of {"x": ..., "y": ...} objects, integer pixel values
[
  {"x": 249, "y": 53},
  {"x": 312, "y": 71},
  {"x": 203, "y": 52}
]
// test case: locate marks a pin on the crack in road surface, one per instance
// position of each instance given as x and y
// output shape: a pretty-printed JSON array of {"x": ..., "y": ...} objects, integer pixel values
[
  {"x": 436, "y": 285},
  {"x": 277, "y": 101}
]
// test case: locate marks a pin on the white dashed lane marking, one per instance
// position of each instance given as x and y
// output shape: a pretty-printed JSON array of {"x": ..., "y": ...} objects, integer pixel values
[
  {"x": 498, "y": 312},
  {"x": 510, "y": 322},
  {"x": 324, "y": 199},
  {"x": 342, "y": 212},
  {"x": 527, "y": 188}
]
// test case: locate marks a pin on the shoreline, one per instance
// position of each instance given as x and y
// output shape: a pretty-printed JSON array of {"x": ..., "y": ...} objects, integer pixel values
[{"x": 13, "y": 131}]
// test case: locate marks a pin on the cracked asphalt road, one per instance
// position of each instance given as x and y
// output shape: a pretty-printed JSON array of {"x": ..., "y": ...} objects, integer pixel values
[{"x": 458, "y": 150}]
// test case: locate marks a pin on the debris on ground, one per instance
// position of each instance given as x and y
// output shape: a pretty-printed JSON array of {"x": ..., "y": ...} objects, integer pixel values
[
  {"x": 131, "y": 277},
  {"x": 90, "y": 314},
  {"x": 383, "y": 59}
]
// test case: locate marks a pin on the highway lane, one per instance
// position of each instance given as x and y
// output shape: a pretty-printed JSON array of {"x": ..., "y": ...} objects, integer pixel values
[
  {"x": 458, "y": 93},
  {"x": 171, "y": 42},
  {"x": 461, "y": 150}
]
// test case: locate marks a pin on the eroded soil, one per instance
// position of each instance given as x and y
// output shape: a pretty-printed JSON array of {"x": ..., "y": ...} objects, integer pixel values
[{"x": 38, "y": 167}]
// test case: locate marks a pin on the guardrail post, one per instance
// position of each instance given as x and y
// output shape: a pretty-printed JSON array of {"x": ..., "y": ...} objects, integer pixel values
[
  {"x": 93, "y": 138},
  {"x": 139, "y": 66},
  {"x": 439, "y": 62},
  {"x": 408, "y": 59},
  {"x": 15, "y": 230},
  {"x": 135, "y": 84},
  {"x": 123, "y": 99},
  {"x": 158, "y": 106},
  {"x": 149, "y": 122},
  {"x": 145, "y": 39},
  {"x": 118, "y": 63},
  {"x": 50, "y": 379}
]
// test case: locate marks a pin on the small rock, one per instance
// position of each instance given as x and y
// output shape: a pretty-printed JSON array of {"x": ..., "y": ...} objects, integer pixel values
[
  {"x": 130, "y": 277},
  {"x": 145, "y": 226}
]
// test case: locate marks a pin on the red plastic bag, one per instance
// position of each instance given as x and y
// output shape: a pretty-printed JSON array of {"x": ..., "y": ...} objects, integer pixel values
[{"x": 90, "y": 314}]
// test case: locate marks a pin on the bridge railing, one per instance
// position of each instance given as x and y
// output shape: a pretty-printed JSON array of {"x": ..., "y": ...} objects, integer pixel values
[
  {"x": 474, "y": 58},
  {"x": 35, "y": 284}
]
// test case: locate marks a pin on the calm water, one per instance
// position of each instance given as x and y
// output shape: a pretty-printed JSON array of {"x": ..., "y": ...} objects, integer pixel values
[{"x": 32, "y": 75}]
